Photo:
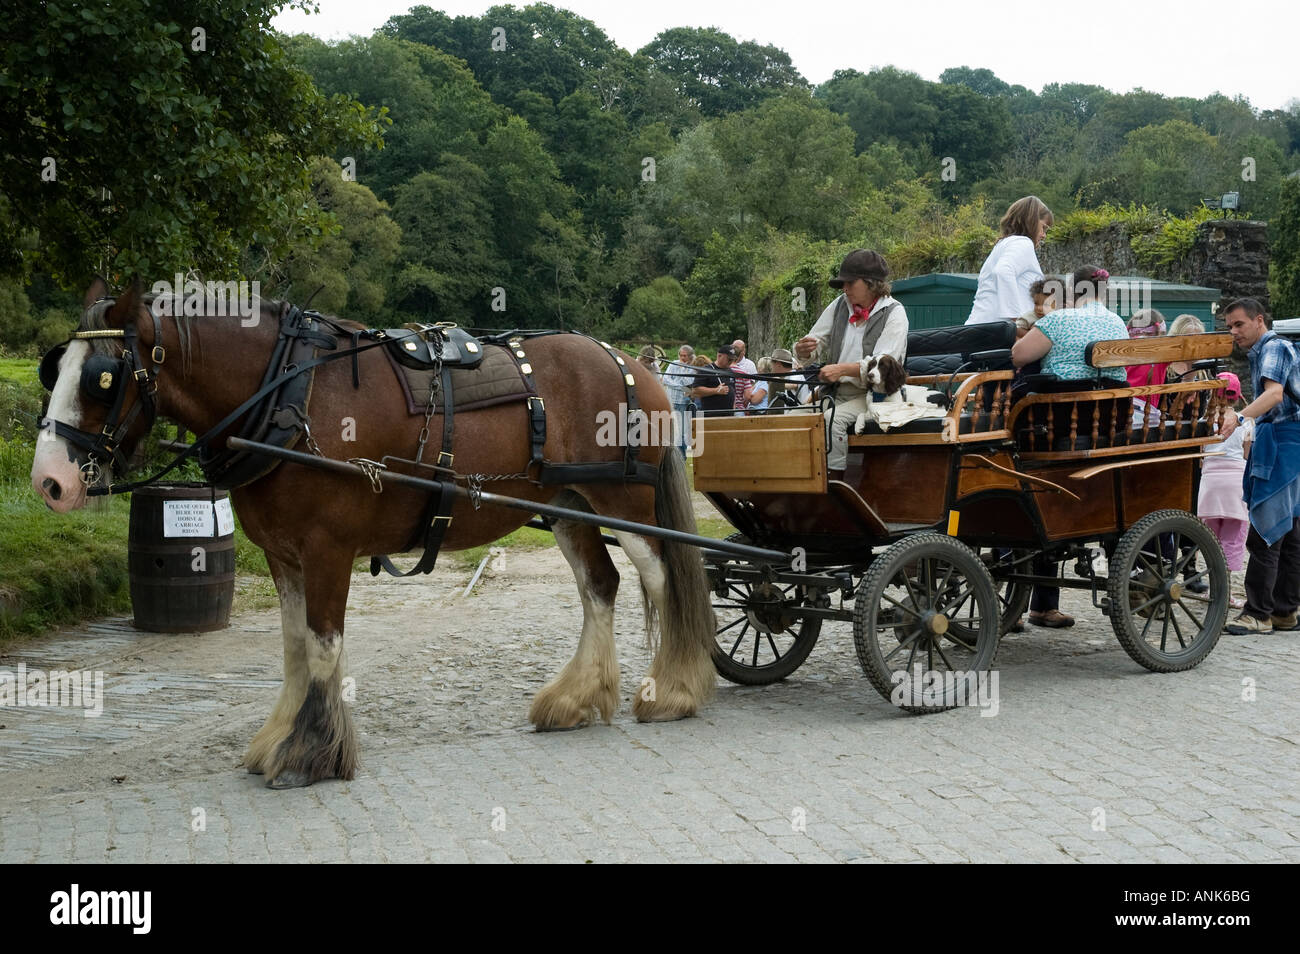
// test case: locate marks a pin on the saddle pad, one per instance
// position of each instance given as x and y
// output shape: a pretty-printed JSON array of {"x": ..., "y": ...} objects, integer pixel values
[{"x": 495, "y": 381}]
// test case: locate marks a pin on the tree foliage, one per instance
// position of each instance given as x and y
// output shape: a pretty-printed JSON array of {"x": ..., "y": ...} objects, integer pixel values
[{"x": 138, "y": 139}]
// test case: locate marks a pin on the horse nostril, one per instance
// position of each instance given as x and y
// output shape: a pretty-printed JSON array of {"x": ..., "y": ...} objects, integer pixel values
[{"x": 51, "y": 487}]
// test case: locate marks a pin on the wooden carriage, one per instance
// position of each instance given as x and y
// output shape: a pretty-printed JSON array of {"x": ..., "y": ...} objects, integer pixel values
[{"x": 933, "y": 540}]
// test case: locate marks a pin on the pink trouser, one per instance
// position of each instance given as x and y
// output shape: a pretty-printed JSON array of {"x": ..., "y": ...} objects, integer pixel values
[{"x": 1232, "y": 534}]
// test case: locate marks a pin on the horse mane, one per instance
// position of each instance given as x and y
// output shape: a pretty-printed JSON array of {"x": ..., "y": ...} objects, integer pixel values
[{"x": 95, "y": 318}]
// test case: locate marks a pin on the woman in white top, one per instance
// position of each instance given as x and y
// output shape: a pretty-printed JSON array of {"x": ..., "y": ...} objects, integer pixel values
[{"x": 1012, "y": 266}]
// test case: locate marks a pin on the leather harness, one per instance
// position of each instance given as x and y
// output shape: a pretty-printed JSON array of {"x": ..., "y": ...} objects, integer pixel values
[{"x": 277, "y": 413}]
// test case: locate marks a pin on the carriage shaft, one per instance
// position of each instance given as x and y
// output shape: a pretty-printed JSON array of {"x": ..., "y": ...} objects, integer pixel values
[{"x": 514, "y": 503}]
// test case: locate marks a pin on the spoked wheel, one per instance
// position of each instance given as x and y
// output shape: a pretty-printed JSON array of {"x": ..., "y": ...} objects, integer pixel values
[
  {"x": 903, "y": 618},
  {"x": 760, "y": 638},
  {"x": 1013, "y": 596},
  {"x": 1159, "y": 622}
]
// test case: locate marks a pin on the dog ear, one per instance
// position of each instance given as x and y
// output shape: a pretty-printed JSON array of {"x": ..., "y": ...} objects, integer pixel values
[{"x": 893, "y": 374}]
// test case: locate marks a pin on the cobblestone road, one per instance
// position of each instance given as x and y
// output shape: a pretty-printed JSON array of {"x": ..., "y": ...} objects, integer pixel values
[{"x": 1090, "y": 758}]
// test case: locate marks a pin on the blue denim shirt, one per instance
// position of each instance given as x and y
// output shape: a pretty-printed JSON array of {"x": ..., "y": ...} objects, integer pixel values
[{"x": 1275, "y": 358}]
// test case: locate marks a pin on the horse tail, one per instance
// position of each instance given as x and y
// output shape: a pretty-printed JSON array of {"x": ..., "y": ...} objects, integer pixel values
[{"x": 688, "y": 624}]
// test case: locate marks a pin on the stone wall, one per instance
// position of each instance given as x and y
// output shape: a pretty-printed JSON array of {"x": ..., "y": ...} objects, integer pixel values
[
  {"x": 1232, "y": 256},
  {"x": 1108, "y": 248}
]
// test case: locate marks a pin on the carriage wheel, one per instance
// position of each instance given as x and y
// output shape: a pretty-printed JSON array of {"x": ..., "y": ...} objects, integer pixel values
[
  {"x": 1013, "y": 596},
  {"x": 759, "y": 639},
  {"x": 902, "y": 622},
  {"x": 1160, "y": 624}
]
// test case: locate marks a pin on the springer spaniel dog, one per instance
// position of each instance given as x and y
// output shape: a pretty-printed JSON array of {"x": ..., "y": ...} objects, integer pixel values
[{"x": 886, "y": 376}]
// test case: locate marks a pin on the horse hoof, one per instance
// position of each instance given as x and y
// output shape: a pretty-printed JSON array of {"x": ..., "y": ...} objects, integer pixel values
[
  {"x": 289, "y": 779},
  {"x": 562, "y": 728}
]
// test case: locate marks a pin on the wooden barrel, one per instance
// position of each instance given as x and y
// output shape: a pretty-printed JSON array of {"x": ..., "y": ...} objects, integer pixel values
[{"x": 181, "y": 556}]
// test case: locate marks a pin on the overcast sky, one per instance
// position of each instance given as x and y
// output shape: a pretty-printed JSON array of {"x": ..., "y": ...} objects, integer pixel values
[{"x": 1184, "y": 48}]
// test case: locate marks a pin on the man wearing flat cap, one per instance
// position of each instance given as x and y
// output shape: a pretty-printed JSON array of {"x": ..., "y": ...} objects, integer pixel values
[{"x": 861, "y": 323}]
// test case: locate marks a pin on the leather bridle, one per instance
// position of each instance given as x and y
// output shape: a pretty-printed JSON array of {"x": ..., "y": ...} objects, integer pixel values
[{"x": 106, "y": 444}]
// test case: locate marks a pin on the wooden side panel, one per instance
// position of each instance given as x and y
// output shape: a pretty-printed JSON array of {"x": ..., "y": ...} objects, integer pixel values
[
  {"x": 1167, "y": 485},
  {"x": 1095, "y": 511},
  {"x": 1129, "y": 351},
  {"x": 974, "y": 478},
  {"x": 903, "y": 484},
  {"x": 769, "y": 453}
]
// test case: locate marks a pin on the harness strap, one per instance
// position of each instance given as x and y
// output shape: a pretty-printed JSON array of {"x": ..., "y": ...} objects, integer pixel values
[
  {"x": 536, "y": 409},
  {"x": 631, "y": 450},
  {"x": 267, "y": 388},
  {"x": 438, "y": 512}
]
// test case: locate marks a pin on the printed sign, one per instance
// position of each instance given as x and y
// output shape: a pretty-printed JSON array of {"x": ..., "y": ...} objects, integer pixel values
[
  {"x": 188, "y": 518},
  {"x": 225, "y": 518}
]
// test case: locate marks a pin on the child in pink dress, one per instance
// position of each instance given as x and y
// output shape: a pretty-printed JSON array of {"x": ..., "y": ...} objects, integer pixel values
[{"x": 1221, "y": 505}]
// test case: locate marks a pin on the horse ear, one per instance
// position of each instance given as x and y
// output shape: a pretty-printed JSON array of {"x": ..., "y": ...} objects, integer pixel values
[
  {"x": 98, "y": 289},
  {"x": 128, "y": 301}
]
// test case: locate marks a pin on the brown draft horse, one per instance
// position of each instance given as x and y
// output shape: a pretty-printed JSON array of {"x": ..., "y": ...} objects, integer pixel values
[{"x": 313, "y": 525}]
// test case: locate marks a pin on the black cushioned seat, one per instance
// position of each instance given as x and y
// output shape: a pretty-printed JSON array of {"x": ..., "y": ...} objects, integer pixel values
[{"x": 944, "y": 350}]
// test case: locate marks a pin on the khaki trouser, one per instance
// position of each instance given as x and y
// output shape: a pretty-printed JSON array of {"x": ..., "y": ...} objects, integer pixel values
[{"x": 850, "y": 401}]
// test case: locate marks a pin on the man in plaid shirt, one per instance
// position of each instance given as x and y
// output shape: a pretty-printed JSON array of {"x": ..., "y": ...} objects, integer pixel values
[{"x": 1272, "y": 484}]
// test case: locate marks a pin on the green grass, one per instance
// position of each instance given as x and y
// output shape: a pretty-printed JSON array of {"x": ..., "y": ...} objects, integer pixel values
[{"x": 58, "y": 568}]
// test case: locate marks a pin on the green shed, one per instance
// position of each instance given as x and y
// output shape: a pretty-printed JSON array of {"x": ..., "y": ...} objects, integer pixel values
[{"x": 942, "y": 299}]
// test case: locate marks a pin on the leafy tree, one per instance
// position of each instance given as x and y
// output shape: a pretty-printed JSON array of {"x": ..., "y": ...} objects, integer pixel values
[
  {"x": 716, "y": 73},
  {"x": 447, "y": 261},
  {"x": 17, "y": 324},
  {"x": 982, "y": 81},
  {"x": 133, "y": 143},
  {"x": 1173, "y": 165},
  {"x": 789, "y": 163},
  {"x": 716, "y": 288},
  {"x": 355, "y": 261},
  {"x": 432, "y": 100},
  {"x": 973, "y": 129},
  {"x": 1284, "y": 231},
  {"x": 658, "y": 311},
  {"x": 547, "y": 50},
  {"x": 885, "y": 105}
]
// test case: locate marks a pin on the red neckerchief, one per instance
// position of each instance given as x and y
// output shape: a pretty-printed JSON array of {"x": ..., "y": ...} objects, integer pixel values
[{"x": 861, "y": 314}]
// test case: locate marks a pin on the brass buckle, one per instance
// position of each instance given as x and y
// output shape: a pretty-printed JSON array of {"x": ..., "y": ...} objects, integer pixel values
[
  {"x": 159, "y": 354},
  {"x": 447, "y": 454}
]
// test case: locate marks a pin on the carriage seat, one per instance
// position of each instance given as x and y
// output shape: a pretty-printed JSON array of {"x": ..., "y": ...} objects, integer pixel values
[{"x": 944, "y": 350}]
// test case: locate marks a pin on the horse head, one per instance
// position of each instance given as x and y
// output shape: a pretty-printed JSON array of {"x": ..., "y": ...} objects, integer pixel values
[{"x": 101, "y": 399}]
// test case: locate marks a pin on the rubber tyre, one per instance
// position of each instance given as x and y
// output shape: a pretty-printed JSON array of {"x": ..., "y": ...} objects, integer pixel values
[
  {"x": 733, "y": 651},
  {"x": 1135, "y": 622},
  {"x": 953, "y": 570}
]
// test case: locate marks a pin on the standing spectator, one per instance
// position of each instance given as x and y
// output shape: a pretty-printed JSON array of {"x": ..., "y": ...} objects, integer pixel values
[
  {"x": 1012, "y": 266},
  {"x": 1272, "y": 482},
  {"x": 757, "y": 401},
  {"x": 713, "y": 386},
  {"x": 861, "y": 323},
  {"x": 649, "y": 359},
  {"x": 699, "y": 361},
  {"x": 1219, "y": 501},
  {"x": 741, "y": 367},
  {"x": 793, "y": 392},
  {"x": 677, "y": 380}
]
